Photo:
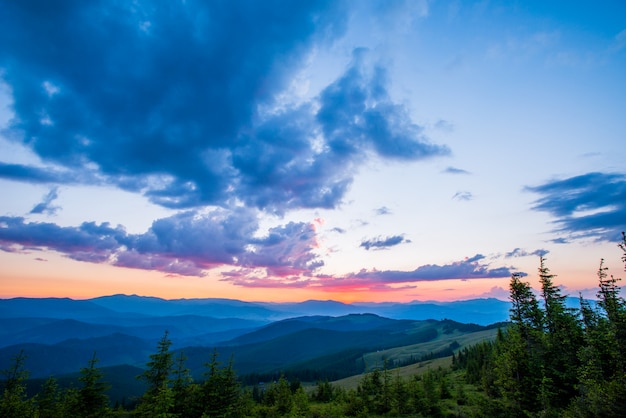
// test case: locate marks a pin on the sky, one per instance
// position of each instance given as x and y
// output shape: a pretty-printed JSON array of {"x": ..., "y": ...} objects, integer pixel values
[{"x": 284, "y": 151}]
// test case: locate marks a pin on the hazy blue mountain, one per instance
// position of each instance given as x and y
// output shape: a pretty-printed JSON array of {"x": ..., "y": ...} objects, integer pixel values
[
  {"x": 44, "y": 360},
  {"x": 12, "y": 326},
  {"x": 59, "y": 330},
  {"x": 184, "y": 330},
  {"x": 478, "y": 311},
  {"x": 61, "y": 308},
  {"x": 217, "y": 308},
  {"x": 313, "y": 307},
  {"x": 140, "y": 310},
  {"x": 352, "y": 322}
]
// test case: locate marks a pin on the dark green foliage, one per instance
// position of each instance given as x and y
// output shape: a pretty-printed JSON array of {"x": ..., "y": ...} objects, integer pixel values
[
  {"x": 444, "y": 352},
  {"x": 221, "y": 389},
  {"x": 91, "y": 399},
  {"x": 324, "y": 392},
  {"x": 563, "y": 338},
  {"x": 330, "y": 367},
  {"x": 49, "y": 400},
  {"x": 158, "y": 400},
  {"x": 184, "y": 391},
  {"x": 555, "y": 361},
  {"x": 602, "y": 375},
  {"x": 157, "y": 374},
  {"x": 13, "y": 402}
]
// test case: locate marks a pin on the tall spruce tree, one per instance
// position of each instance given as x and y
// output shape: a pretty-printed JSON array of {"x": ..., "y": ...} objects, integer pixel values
[
  {"x": 14, "y": 402},
  {"x": 221, "y": 389},
  {"x": 519, "y": 360},
  {"x": 158, "y": 400},
  {"x": 562, "y": 340},
  {"x": 183, "y": 388},
  {"x": 49, "y": 400},
  {"x": 92, "y": 400}
]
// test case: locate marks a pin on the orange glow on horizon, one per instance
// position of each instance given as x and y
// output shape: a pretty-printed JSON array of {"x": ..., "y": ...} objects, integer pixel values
[{"x": 27, "y": 275}]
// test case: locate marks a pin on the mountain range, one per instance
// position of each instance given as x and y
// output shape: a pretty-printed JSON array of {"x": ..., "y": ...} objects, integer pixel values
[
  {"x": 59, "y": 335},
  {"x": 479, "y": 311},
  {"x": 319, "y": 339}
]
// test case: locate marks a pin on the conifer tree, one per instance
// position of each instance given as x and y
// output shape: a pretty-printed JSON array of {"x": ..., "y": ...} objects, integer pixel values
[
  {"x": 562, "y": 340},
  {"x": 183, "y": 388},
  {"x": 92, "y": 398},
  {"x": 221, "y": 389},
  {"x": 518, "y": 363},
  {"x": 14, "y": 402},
  {"x": 159, "y": 367},
  {"x": 49, "y": 401},
  {"x": 158, "y": 398}
]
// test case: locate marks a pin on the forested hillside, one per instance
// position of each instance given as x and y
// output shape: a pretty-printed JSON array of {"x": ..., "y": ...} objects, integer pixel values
[{"x": 550, "y": 361}]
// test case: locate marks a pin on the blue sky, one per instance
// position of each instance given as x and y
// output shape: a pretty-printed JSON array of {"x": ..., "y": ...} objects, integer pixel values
[{"x": 375, "y": 150}]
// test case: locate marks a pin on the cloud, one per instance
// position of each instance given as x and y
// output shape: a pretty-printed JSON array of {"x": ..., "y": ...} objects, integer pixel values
[
  {"x": 442, "y": 124},
  {"x": 466, "y": 269},
  {"x": 496, "y": 292},
  {"x": 466, "y": 196},
  {"x": 187, "y": 243},
  {"x": 518, "y": 252},
  {"x": 287, "y": 250},
  {"x": 31, "y": 174},
  {"x": 375, "y": 280},
  {"x": 46, "y": 206},
  {"x": 619, "y": 42},
  {"x": 357, "y": 113},
  {"x": 591, "y": 205},
  {"x": 180, "y": 101},
  {"x": 454, "y": 170},
  {"x": 191, "y": 243},
  {"x": 383, "y": 210},
  {"x": 379, "y": 243}
]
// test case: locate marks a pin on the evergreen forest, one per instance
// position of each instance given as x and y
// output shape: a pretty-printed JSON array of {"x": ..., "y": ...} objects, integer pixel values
[{"x": 550, "y": 360}]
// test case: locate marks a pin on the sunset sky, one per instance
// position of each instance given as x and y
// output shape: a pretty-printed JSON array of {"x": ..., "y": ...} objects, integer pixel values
[{"x": 291, "y": 150}]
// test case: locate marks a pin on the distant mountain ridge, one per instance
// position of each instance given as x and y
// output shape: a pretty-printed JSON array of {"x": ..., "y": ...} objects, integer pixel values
[
  {"x": 479, "y": 311},
  {"x": 59, "y": 335},
  {"x": 142, "y": 310}
]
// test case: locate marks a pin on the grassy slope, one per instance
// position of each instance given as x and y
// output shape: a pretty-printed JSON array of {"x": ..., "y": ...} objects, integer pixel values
[{"x": 376, "y": 359}]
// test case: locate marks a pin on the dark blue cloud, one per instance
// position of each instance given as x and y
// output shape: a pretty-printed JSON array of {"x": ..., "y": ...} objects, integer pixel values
[
  {"x": 560, "y": 240},
  {"x": 357, "y": 112},
  {"x": 282, "y": 164},
  {"x": 98, "y": 241},
  {"x": 46, "y": 206},
  {"x": 149, "y": 87},
  {"x": 31, "y": 174},
  {"x": 164, "y": 98},
  {"x": 383, "y": 242},
  {"x": 589, "y": 205}
]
